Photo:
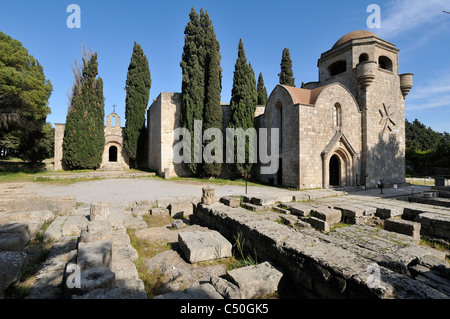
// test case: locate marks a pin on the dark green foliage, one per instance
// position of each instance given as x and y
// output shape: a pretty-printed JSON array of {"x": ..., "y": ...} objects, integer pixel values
[
  {"x": 261, "y": 89},
  {"x": 84, "y": 138},
  {"x": 138, "y": 92},
  {"x": 243, "y": 104},
  {"x": 426, "y": 148},
  {"x": 286, "y": 75},
  {"x": 24, "y": 95},
  {"x": 201, "y": 84},
  {"x": 193, "y": 81},
  {"x": 212, "y": 113}
]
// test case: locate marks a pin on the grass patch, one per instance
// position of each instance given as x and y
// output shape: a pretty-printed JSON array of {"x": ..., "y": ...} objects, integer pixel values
[
  {"x": 439, "y": 246},
  {"x": 157, "y": 221},
  {"x": 338, "y": 225},
  {"x": 153, "y": 280}
]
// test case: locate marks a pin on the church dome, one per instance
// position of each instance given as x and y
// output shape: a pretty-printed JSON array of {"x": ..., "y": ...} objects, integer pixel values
[{"x": 354, "y": 35}]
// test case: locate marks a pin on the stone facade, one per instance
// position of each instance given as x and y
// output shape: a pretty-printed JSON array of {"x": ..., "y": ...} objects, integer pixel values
[
  {"x": 114, "y": 155},
  {"x": 347, "y": 129}
]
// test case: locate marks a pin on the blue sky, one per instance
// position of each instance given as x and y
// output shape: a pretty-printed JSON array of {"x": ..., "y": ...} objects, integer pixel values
[{"x": 418, "y": 28}]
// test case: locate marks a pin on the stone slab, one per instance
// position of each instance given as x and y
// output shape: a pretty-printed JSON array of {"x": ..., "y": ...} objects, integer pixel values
[
  {"x": 54, "y": 231},
  {"x": 231, "y": 201},
  {"x": 270, "y": 200},
  {"x": 319, "y": 224},
  {"x": 97, "y": 254},
  {"x": 404, "y": 227},
  {"x": 256, "y": 281},
  {"x": 329, "y": 215},
  {"x": 159, "y": 211},
  {"x": 14, "y": 236},
  {"x": 200, "y": 246},
  {"x": 181, "y": 209},
  {"x": 12, "y": 265},
  {"x": 96, "y": 230},
  {"x": 203, "y": 291}
]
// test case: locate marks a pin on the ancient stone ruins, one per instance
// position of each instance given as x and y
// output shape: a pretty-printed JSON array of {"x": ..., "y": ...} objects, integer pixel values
[{"x": 303, "y": 244}]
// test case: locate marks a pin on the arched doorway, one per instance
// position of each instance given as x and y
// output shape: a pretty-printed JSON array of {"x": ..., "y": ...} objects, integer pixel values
[
  {"x": 113, "y": 154},
  {"x": 335, "y": 171}
]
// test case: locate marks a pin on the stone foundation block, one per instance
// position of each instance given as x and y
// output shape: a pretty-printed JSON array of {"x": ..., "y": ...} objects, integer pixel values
[
  {"x": 97, "y": 254},
  {"x": 319, "y": 224},
  {"x": 158, "y": 211},
  {"x": 231, "y": 201},
  {"x": 96, "y": 230},
  {"x": 12, "y": 265},
  {"x": 181, "y": 209},
  {"x": 255, "y": 281},
  {"x": 329, "y": 215},
  {"x": 404, "y": 227},
  {"x": 14, "y": 237},
  {"x": 200, "y": 246}
]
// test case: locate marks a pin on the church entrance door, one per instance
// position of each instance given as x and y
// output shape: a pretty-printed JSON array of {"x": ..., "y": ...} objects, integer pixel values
[
  {"x": 113, "y": 154},
  {"x": 335, "y": 171}
]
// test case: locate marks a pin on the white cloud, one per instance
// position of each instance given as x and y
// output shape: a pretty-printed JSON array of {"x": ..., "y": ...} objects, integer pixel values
[
  {"x": 433, "y": 95},
  {"x": 406, "y": 15}
]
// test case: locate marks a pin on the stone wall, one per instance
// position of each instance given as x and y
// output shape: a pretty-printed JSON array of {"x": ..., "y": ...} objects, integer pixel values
[
  {"x": 382, "y": 105},
  {"x": 320, "y": 138},
  {"x": 58, "y": 157},
  {"x": 317, "y": 265}
]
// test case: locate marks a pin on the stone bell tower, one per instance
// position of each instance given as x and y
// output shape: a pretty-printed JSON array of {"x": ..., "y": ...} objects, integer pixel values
[{"x": 368, "y": 67}]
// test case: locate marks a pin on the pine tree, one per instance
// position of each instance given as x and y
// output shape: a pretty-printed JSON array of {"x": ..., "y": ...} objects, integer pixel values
[
  {"x": 243, "y": 104},
  {"x": 261, "y": 89},
  {"x": 84, "y": 137},
  {"x": 286, "y": 75},
  {"x": 138, "y": 92},
  {"x": 193, "y": 82}
]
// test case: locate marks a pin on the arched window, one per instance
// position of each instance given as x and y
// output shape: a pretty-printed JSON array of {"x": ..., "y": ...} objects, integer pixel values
[
  {"x": 338, "y": 67},
  {"x": 363, "y": 57},
  {"x": 113, "y": 121},
  {"x": 337, "y": 121},
  {"x": 385, "y": 63}
]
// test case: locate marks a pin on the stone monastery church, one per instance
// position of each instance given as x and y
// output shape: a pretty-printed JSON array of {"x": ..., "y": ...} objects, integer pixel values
[{"x": 347, "y": 129}]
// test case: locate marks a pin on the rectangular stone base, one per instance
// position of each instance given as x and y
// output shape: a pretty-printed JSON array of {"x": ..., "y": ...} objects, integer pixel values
[{"x": 200, "y": 246}]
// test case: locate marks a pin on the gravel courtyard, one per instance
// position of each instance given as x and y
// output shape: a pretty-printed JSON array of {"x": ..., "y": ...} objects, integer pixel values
[{"x": 119, "y": 192}]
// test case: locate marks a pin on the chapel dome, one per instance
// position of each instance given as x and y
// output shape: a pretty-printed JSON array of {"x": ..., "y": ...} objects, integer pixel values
[{"x": 359, "y": 34}]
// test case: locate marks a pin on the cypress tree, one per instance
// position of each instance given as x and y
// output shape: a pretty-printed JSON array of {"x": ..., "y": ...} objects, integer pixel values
[
  {"x": 193, "y": 82},
  {"x": 261, "y": 89},
  {"x": 84, "y": 137},
  {"x": 138, "y": 92},
  {"x": 286, "y": 75},
  {"x": 243, "y": 104},
  {"x": 201, "y": 85},
  {"x": 212, "y": 112}
]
